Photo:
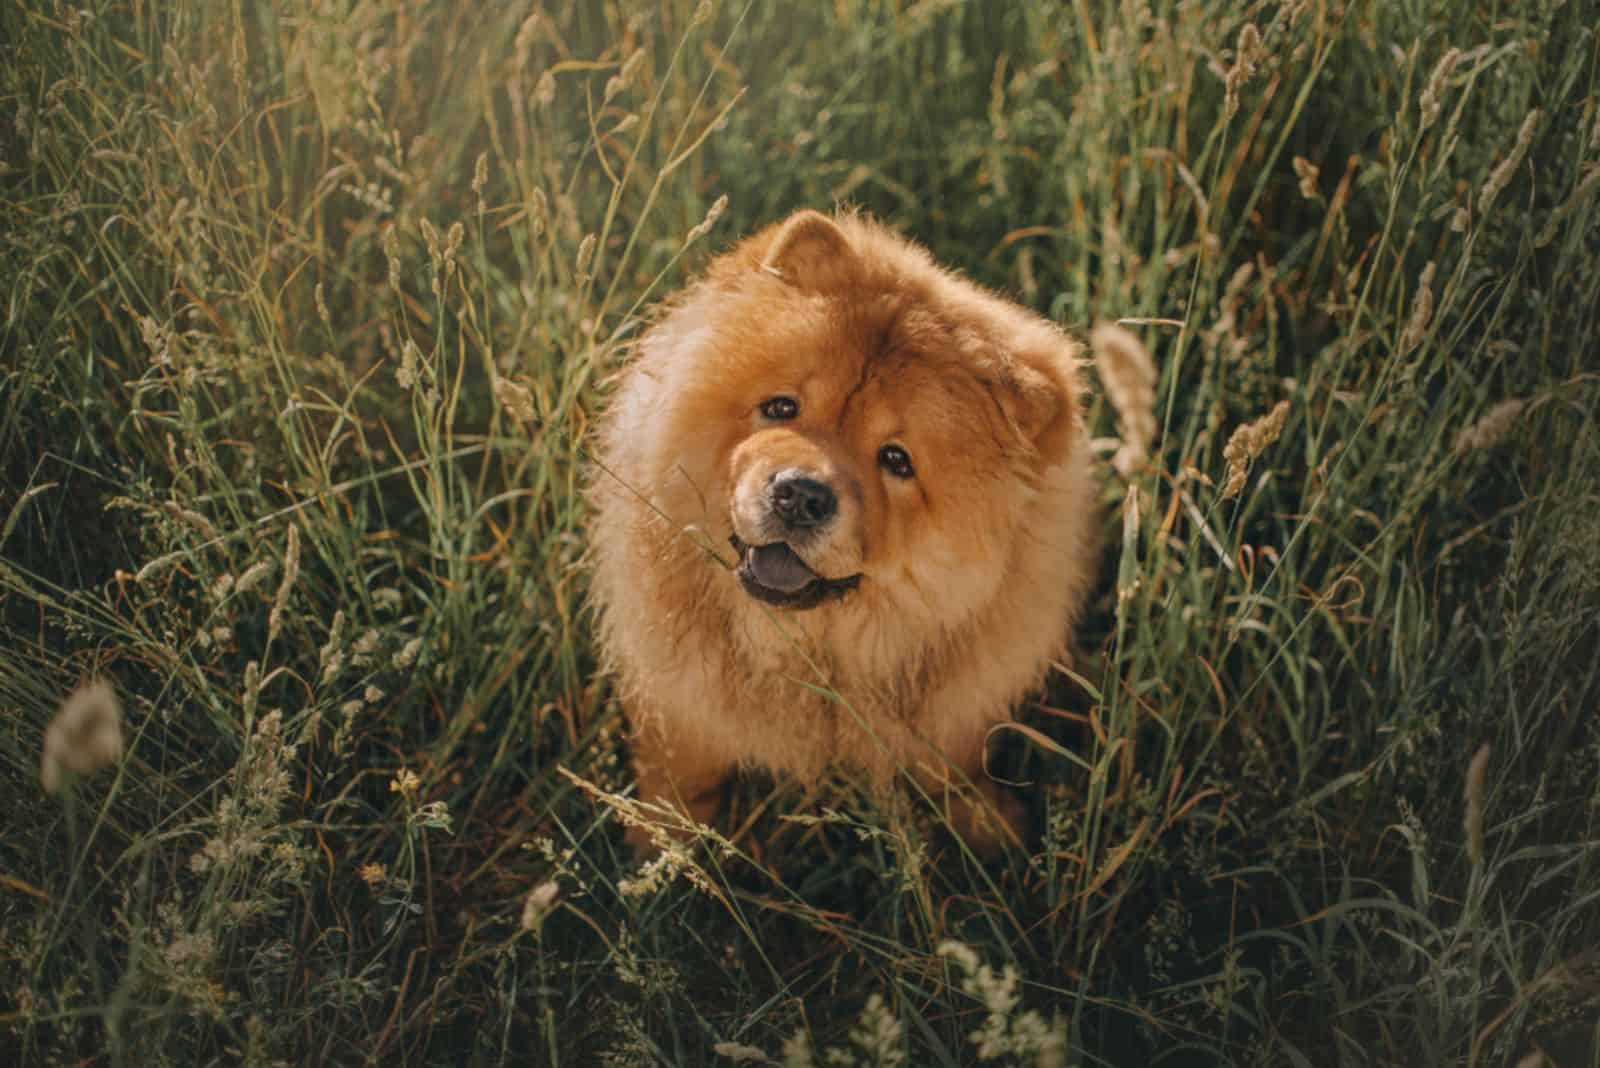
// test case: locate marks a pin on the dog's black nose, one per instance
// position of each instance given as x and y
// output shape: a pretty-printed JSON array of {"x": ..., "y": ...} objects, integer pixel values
[{"x": 801, "y": 501}]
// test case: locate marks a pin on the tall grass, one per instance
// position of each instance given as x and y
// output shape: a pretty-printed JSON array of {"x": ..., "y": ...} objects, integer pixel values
[{"x": 310, "y": 304}]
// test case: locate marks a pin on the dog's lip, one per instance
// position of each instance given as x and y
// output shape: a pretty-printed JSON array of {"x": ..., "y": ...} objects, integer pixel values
[{"x": 775, "y": 573}]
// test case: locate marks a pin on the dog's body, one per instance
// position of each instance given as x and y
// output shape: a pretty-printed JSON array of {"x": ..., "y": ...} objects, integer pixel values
[{"x": 896, "y": 459}]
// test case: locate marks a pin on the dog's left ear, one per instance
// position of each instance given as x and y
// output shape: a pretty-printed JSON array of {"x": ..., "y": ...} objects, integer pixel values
[
  {"x": 1043, "y": 392},
  {"x": 811, "y": 252}
]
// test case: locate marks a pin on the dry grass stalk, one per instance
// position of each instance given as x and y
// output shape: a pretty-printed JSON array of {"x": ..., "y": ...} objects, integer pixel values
[
  {"x": 1493, "y": 426},
  {"x": 1500, "y": 177},
  {"x": 1308, "y": 173},
  {"x": 1244, "y": 66},
  {"x": 1248, "y": 442},
  {"x": 1429, "y": 104},
  {"x": 1473, "y": 794},
  {"x": 1128, "y": 375},
  {"x": 1421, "y": 312},
  {"x": 515, "y": 400}
]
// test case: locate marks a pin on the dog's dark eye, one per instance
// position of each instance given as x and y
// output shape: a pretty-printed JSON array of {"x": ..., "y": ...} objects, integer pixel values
[
  {"x": 896, "y": 461},
  {"x": 780, "y": 407}
]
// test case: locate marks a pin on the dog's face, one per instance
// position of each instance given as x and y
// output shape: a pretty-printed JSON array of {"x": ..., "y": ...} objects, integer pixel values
[
  {"x": 862, "y": 461},
  {"x": 855, "y": 439}
]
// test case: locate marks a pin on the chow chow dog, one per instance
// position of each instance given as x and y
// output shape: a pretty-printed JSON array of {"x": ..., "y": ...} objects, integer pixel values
[{"x": 842, "y": 516}]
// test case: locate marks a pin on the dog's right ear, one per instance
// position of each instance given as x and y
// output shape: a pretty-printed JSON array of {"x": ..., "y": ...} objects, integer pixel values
[{"x": 810, "y": 252}]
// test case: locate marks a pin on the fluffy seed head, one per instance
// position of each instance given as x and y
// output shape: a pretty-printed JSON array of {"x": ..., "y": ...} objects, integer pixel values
[
  {"x": 1493, "y": 425},
  {"x": 1128, "y": 375},
  {"x": 84, "y": 736},
  {"x": 515, "y": 400}
]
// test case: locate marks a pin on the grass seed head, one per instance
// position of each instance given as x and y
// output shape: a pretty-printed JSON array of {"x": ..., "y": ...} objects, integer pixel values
[
  {"x": 1501, "y": 176},
  {"x": 537, "y": 905},
  {"x": 1473, "y": 796},
  {"x": 1248, "y": 442},
  {"x": 84, "y": 736},
  {"x": 515, "y": 400},
  {"x": 1308, "y": 173},
  {"x": 1128, "y": 375},
  {"x": 291, "y": 571},
  {"x": 1490, "y": 427},
  {"x": 704, "y": 226},
  {"x": 1430, "y": 102},
  {"x": 1421, "y": 312}
]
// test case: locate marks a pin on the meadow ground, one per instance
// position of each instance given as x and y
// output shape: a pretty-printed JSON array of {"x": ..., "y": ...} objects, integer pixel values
[{"x": 308, "y": 307}]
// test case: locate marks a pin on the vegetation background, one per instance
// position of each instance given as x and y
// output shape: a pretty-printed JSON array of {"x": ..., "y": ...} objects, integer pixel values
[{"x": 1324, "y": 792}]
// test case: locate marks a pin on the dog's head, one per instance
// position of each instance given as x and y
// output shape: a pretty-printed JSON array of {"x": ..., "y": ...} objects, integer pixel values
[{"x": 851, "y": 417}]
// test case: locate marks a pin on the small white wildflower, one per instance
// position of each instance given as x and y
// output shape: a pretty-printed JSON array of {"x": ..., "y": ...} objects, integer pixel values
[
  {"x": 372, "y": 695},
  {"x": 84, "y": 736}
]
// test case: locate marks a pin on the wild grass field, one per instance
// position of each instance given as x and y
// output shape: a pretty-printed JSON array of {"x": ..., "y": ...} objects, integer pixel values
[{"x": 309, "y": 306}]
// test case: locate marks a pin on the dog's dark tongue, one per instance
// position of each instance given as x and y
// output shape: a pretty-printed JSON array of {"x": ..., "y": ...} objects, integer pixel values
[{"x": 777, "y": 567}]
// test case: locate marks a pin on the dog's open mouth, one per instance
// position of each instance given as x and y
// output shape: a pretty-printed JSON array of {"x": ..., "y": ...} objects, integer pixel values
[{"x": 775, "y": 574}]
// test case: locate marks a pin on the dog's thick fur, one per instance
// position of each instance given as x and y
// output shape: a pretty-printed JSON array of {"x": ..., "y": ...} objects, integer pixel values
[{"x": 971, "y": 571}]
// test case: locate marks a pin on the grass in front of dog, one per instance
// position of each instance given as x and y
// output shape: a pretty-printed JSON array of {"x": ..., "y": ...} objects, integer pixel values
[{"x": 310, "y": 305}]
